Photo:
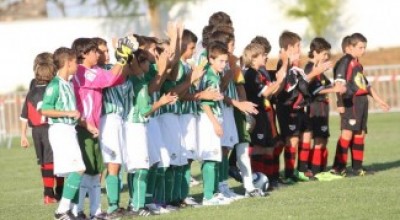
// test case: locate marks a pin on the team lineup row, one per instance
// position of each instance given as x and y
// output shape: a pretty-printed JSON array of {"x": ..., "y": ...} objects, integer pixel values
[{"x": 160, "y": 107}]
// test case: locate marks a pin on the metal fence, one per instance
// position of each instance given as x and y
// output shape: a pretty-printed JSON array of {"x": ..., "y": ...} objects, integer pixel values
[{"x": 385, "y": 80}]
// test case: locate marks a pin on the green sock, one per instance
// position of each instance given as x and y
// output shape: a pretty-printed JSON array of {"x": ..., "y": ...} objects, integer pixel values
[
  {"x": 160, "y": 185},
  {"x": 225, "y": 167},
  {"x": 71, "y": 186},
  {"x": 139, "y": 185},
  {"x": 130, "y": 186},
  {"x": 151, "y": 184},
  {"x": 112, "y": 186},
  {"x": 208, "y": 170},
  {"x": 217, "y": 168},
  {"x": 185, "y": 181},
  {"x": 169, "y": 184},
  {"x": 177, "y": 189}
]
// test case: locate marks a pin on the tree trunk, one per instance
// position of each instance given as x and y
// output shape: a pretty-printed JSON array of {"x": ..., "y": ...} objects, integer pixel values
[{"x": 154, "y": 12}]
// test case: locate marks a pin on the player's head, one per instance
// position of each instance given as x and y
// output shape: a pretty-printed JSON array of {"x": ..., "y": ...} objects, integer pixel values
[
  {"x": 217, "y": 55},
  {"x": 65, "y": 59},
  {"x": 290, "y": 41},
  {"x": 149, "y": 44},
  {"x": 44, "y": 57},
  {"x": 104, "y": 56},
  {"x": 205, "y": 34},
  {"x": 358, "y": 44},
  {"x": 254, "y": 56},
  {"x": 228, "y": 39},
  {"x": 223, "y": 28},
  {"x": 189, "y": 40},
  {"x": 220, "y": 18},
  {"x": 265, "y": 43},
  {"x": 319, "y": 49},
  {"x": 140, "y": 62},
  {"x": 346, "y": 43},
  {"x": 44, "y": 72},
  {"x": 86, "y": 51}
]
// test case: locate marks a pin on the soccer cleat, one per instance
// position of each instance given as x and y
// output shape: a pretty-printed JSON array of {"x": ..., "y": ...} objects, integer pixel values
[
  {"x": 228, "y": 193},
  {"x": 156, "y": 209},
  {"x": 140, "y": 212},
  {"x": 171, "y": 208},
  {"x": 64, "y": 216},
  {"x": 49, "y": 200},
  {"x": 339, "y": 172},
  {"x": 288, "y": 181},
  {"x": 114, "y": 215},
  {"x": 215, "y": 200},
  {"x": 255, "y": 193},
  {"x": 301, "y": 176}
]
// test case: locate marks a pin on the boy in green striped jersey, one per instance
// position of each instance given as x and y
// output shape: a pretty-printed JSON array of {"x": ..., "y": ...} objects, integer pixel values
[
  {"x": 59, "y": 105},
  {"x": 137, "y": 146}
]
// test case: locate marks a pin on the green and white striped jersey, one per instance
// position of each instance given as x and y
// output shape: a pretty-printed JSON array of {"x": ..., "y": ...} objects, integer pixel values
[
  {"x": 115, "y": 99},
  {"x": 188, "y": 107},
  {"x": 202, "y": 58},
  {"x": 155, "y": 96},
  {"x": 60, "y": 96},
  {"x": 213, "y": 80},
  {"x": 139, "y": 103}
]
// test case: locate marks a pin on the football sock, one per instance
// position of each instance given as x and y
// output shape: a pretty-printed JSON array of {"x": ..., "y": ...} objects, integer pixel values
[
  {"x": 112, "y": 186},
  {"x": 70, "y": 192},
  {"x": 357, "y": 152},
  {"x": 233, "y": 158},
  {"x": 324, "y": 158},
  {"x": 257, "y": 163},
  {"x": 160, "y": 185},
  {"x": 277, "y": 153},
  {"x": 94, "y": 194},
  {"x": 269, "y": 165},
  {"x": 244, "y": 165},
  {"x": 48, "y": 179},
  {"x": 304, "y": 153},
  {"x": 130, "y": 185},
  {"x": 83, "y": 190},
  {"x": 223, "y": 169},
  {"x": 139, "y": 188},
  {"x": 341, "y": 154},
  {"x": 209, "y": 169},
  {"x": 186, "y": 181},
  {"x": 60, "y": 185},
  {"x": 151, "y": 184},
  {"x": 316, "y": 160},
  {"x": 169, "y": 184},
  {"x": 290, "y": 158},
  {"x": 177, "y": 188}
]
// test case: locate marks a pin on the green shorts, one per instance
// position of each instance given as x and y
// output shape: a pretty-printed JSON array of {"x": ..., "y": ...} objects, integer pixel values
[
  {"x": 91, "y": 152},
  {"x": 240, "y": 120}
]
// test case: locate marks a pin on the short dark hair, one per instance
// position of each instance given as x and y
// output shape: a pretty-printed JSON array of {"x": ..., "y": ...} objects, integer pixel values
[
  {"x": 224, "y": 28},
  {"x": 222, "y": 37},
  {"x": 288, "y": 38},
  {"x": 219, "y": 18},
  {"x": 206, "y": 33},
  {"x": 346, "y": 41},
  {"x": 187, "y": 38},
  {"x": 318, "y": 45},
  {"x": 357, "y": 37},
  {"x": 83, "y": 46},
  {"x": 263, "y": 41},
  {"x": 215, "y": 49},
  {"x": 99, "y": 41},
  {"x": 62, "y": 55}
]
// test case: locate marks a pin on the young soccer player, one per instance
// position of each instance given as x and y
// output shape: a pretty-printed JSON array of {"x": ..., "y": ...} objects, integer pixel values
[
  {"x": 318, "y": 110},
  {"x": 355, "y": 102},
  {"x": 88, "y": 84},
  {"x": 137, "y": 149},
  {"x": 59, "y": 105},
  {"x": 30, "y": 115}
]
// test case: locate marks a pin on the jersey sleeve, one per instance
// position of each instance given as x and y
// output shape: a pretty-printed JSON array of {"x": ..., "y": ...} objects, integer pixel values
[
  {"x": 50, "y": 97},
  {"x": 204, "y": 85},
  {"x": 24, "y": 111},
  {"x": 340, "y": 69},
  {"x": 253, "y": 84},
  {"x": 98, "y": 78}
]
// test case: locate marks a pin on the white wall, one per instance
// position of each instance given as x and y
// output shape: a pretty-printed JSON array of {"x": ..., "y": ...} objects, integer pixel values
[{"x": 21, "y": 41}]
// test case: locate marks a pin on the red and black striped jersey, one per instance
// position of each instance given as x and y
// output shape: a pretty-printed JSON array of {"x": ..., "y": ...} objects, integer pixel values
[{"x": 33, "y": 102}]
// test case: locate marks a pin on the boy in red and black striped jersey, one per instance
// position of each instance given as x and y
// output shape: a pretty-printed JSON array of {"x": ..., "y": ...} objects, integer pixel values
[
  {"x": 349, "y": 72},
  {"x": 30, "y": 115}
]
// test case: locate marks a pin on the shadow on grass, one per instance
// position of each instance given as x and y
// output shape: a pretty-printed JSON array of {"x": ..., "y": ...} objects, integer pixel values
[{"x": 383, "y": 166}]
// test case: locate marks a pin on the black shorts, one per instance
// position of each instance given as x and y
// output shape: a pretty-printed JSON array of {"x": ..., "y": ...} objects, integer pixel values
[
  {"x": 262, "y": 134},
  {"x": 292, "y": 122},
  {"x": 355, "y": 115},
  {"x": 40, "y": 136},
  {"x": 318, "y": 113}
]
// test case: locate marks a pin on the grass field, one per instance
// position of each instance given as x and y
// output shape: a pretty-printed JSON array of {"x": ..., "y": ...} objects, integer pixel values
[{"x": 371, "y": 197}]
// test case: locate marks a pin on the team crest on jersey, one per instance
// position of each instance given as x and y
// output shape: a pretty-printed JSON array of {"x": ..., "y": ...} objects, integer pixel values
[
  {"x": 324, "y": 128},
  {"x": 90, "y": 76},
  {"x": 173, "y": 156},
  {"x": 260, "y": 136},
  {"x": 352, "y": 122},
  {"x": 292, "y": 127},
  {"x": 49, "y": 91}
]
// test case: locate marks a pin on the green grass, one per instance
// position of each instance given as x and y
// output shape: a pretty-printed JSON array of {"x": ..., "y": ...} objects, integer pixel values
[{"x": 371, "y": 197}]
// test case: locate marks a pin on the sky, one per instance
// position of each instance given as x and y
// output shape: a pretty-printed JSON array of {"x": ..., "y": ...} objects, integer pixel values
[{"x": 22, "y": 40}]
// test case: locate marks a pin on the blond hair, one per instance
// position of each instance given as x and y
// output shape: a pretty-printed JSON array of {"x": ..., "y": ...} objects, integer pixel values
[{"x": 250, "y": 52}]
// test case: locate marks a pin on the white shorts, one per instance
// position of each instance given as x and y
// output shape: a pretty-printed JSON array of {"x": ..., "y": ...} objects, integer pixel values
[
  {"x": 111, "y": 138},
  {"x": 66, "y": 151},
  {"x": 189, "y": 134},
  {"x": 171, "y": 130},
  {"x": 136, "y": 146},
  {"x": 156, "y": 143},
  {"x": 230, "y": 137},
  {"x": 209, "y": 142}
]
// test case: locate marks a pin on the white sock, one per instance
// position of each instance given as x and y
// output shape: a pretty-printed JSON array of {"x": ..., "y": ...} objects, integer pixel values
[
  {"x": 83, "y": 189},
  {"x": 63, "y": 207},
  {"x": 95, "y": 195},
  {"x": 243, "y": 159}
]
